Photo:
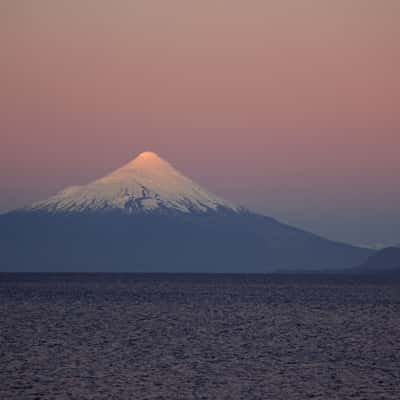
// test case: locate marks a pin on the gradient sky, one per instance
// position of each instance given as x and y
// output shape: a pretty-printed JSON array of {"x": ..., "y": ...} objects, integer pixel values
[{"x": 290, "y": 107}]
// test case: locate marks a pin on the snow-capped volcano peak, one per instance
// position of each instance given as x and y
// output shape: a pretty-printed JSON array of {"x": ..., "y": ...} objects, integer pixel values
[
  {"x": 145, "y": 164},
  {"x": 148, "y": 160},
  {"x": 147, "y": 184}
]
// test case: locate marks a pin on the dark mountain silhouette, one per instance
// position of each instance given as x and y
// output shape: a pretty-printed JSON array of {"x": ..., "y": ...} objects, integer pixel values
[{"x": 384, "y": 261}]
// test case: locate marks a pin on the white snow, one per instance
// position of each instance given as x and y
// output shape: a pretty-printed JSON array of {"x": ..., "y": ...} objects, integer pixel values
[{"x": 147, "y": 184}]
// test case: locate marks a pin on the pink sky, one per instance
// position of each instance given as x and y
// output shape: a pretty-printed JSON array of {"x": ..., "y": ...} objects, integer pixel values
[{"x": 291, "y": 107}]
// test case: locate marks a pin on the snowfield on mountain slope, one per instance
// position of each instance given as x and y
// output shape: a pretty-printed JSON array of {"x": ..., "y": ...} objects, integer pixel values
[{"x": 147, "y": 184}]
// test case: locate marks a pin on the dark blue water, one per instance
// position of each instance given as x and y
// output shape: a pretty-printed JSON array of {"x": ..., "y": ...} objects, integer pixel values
[{"x": 198, "y": 337}]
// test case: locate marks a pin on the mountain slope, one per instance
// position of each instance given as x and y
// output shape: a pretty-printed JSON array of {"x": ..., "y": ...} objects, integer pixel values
[
  {"x": 246, "y": 243},
  {"x": 148, "y": 217}
]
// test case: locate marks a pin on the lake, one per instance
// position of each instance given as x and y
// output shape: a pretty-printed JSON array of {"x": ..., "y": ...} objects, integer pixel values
[{"x": 149, "y": 336}]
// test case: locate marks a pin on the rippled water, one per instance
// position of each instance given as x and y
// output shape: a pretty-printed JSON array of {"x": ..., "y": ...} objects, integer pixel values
[{"x": 198, "y": 337}]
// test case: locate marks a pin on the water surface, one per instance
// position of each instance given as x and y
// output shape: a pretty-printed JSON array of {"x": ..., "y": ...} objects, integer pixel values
[{"x": 198, "y": 337}]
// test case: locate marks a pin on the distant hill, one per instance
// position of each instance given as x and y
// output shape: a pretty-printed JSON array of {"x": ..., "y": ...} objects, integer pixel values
[{"x": 383, "y": 261}]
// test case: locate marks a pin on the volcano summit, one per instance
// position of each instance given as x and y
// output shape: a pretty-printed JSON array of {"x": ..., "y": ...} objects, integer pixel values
[
  {"x": 148, "y": 217},
  {"x": 148, "y": 184}
]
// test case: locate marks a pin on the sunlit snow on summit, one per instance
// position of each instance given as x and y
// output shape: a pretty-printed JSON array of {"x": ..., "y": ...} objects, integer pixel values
[{"x": 147, "y": 184}]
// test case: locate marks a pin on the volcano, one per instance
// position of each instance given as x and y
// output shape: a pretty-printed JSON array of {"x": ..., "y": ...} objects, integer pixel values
[
  {"x": 148, "y": 217},
  {"x": 146, "y": 185}
]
